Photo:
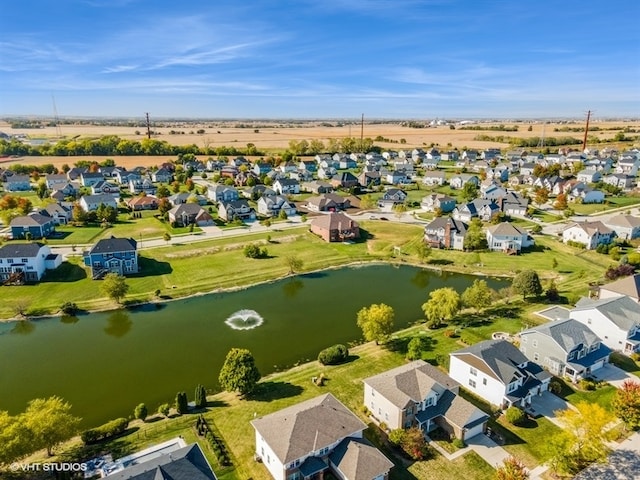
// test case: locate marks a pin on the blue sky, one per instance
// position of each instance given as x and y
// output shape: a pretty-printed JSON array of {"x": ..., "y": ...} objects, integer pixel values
[{"x": 420, "y": 59}]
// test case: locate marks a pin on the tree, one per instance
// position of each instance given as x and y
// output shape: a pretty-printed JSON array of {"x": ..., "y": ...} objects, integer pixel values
[
  {"x": 239, "y": 372},
  {"x": 140, "y": 412},
  {"x": 114, "y": 286},
  {"x": 475, "y": 239},
  {"x": 14, "y": 438},
  {"x": 626, "y": 404},
  {"x": 252, "y": 250},
  {"x": 478, "y": 295},
  {"x": 541, "y": 195},
  {"x": 526, "y": 283},
  {"x": 469, "y": 192},
  {"x": 399, "y": 209},
  {"x": 423, "y": 250},
  {"x": 514, "y": 415},
  {"x": 583, "y": 439},
  {"x": 367, "y": 202},
  {"x": 376, "y": 322},
  {"x": 512, "y": 469},
  {"x": 283, "y": 215},
  {"x": 166, "y": 237},
  {"x": 164, "y": 205},
  {"x": 201, "y": 397},
  {"x": 414, "y": 349},
  {"x": 442, "y": 305},
  {"x": 561, "y": 202},
  {"x": 294, "y": 263},
  {"x": 49, "y": 422},
  {"x": 182, "y": 403},
  {"x": 412, "y": 442},
  {"x": 78, "y": 214},
  {"x": 163, "y": 192},
  {"x": 164, "y": 409}
]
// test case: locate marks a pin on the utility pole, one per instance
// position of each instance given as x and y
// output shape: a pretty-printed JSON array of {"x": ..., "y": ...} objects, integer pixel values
[
  {"x": 148, "y": 126},
  {"x": 586, "y": 132}
]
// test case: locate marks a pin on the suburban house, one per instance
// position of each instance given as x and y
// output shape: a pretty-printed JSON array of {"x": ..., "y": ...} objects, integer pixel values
[
  {"x": 615, "y": 320},
  {"x": 344, "y": 180},
  {"x": 514, "y": 204},
  {"x": 222, "y": 193},
  {"x": 26, "y": 262},
  {"x": 436, "y": 201},
  {"x": 329, "y": 202},
  {"x": 162, "y": 175},
  {"x": 145, "y": 185},
  {"x": 175, "y": 462},
  {"x": 88, "y": 179},
  {"x": 316, "y": 436},
  {"x": 485, "y": 210},
  {"x": 392, "y": 197},
  {"x": 286, "y": 186},
  {"x": 335, "y": 227},
  {"x": 186, "y": 197},
  {"x": 445, "y": 232},
  {"x": 142, "y": 203},
  {"x": 626, "y": 227},
  {"x": 590, "y": 234},
  {"x": 236, "y": 210},
  {"x": 55, "y": 181},
  {"x": 396, "y": 177},
  {"x": 629, "y": 286},
  {"x": 89, "y": 203},
  {"x": 498, "y": 372},
  {"x": 508, "y": 238},
  {"x": 185, "y": 214},
  {"x": 435, "y": 177},
  {"x": 261, "y": 168},
  {"x": 368, "y": 179},
  {"x": 565, "y": 347},
  {"x": 17, "y": 183},
  {"x": 112, "y": 255},
  {"x": 104, "y": 187},
  {"x": 34, "y": 225},
  {"x": 318, "y": 187},
  {"x": 461, "y": 180},
  {"x": 589, "y": 175},
  {"x": 620, "y": 180},
  {"x": 271, "y": 206},
  {"x": 419, "y": 394},
  {"x": 61, "y": 213}
]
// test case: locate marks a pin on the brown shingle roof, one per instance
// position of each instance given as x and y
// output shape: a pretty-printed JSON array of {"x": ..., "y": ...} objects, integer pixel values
[{"x": 334, "y": 221}]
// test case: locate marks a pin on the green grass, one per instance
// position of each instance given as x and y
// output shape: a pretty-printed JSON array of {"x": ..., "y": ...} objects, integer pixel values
[
  {"x": 625, "y": 363},
  {"x": 470, "y": 466},
  {"x": 601, "y": 395},
  {"x": 524, "y": 442}
]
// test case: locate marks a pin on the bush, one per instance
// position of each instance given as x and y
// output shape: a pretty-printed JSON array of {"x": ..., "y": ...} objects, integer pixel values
[
  {"x": 164, "y": 409},
  {"x": 458, "y": 443},
  {"x": 140, "y": 412},
  {"x": 555, "y": 387},
  {"x": 333, "y": 355},
  {"x": 587, "y": 384},
  {"x": 69, "y": 308},
  {"x": 514, "y": 415},
  {"x": 397, "y": 436},
  {"x": 449, "y": 333},
  {"x": 108, "y": 430},
  {"x": 254, "y": 251},
  {"x": 182, "y": 404}
]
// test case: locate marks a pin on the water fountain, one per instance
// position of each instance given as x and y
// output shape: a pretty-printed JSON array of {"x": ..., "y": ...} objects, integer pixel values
[{"x": 244, "y": 320}]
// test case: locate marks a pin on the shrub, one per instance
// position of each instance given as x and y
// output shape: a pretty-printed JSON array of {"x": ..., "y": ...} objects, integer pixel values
[
  {"x": 69, "y": 308},
  {"x": 164, "y": 409},
  {"x": 555, "y": 387},
  {"x": 514, "y": 415},
  {"x": 458, "y": 443},
  {"x": 397, "y": 436},
  {"x": 333, "y": 355},
  {"x": 108, "y": 430},
  {"x": 587, "y": 384},
  {"x": 140, "y": 412},
  {"x": 449, "y": 333},
  {"x": 414, "y": 349},
  {"x": 254, "y": 251},
  {"x": 201, "y": 397},
  {"x": 443, "y": 360},
  {"x": 182, "y": 404}
]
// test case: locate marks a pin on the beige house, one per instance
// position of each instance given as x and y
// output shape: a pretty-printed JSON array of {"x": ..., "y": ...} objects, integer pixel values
[
  {"x": 335, "y": 227},
  {"x": 625, "y": 286}
]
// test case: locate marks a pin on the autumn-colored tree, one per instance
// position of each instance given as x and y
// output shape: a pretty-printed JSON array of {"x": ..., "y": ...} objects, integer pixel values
[
  {"x": 626, "y": 404},
  {"x": 512, "y": 469},
  {"x": 376, "y": 322},
  {"x": 442, "y": 305}
]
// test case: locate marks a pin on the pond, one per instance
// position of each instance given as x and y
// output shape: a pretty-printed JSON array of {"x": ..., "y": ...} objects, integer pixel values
[{"x": 106, "y": 363}]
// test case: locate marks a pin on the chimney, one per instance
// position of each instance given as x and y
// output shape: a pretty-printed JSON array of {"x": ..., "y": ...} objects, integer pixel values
[{"x": 447, "y": 234}]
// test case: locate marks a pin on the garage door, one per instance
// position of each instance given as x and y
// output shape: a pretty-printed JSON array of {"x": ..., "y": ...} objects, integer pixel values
[
  {"x": 473, "y": 431},
  {"x": 597, "y": 366}
]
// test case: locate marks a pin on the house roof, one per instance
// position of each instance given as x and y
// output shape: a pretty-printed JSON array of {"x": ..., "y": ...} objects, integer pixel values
[
  {"x": 441, "y": 222},
  {"x": 31, "y": 220},
  {"x": 506, "y": 228},
  {"x": 20, "y": 250},
  {"x": 106, "y": 199},
  {"x": 186, "y": 463},
  {"x": 307, "y": 427},
  {"x": 185, "y": 209},
  {"x": 357, "y": 459},
  {"x": 409, "y": 383},
  {"x": 590, "y": 228},
  {"x": 628, "y": 221},
  {"x": 567, "y": 333},
  {"x": 629, "y": 286},
  {"x": 113, "y": 244},
  {"x": 455, "y": 409},
  {"x": 497, "y": 358},
  {"x": 334, "y": 221},
  {"x": 622, "y": 311}
]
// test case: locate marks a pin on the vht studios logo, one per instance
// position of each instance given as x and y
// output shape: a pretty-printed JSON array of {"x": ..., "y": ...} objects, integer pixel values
[{"x": 48, "y": 467}]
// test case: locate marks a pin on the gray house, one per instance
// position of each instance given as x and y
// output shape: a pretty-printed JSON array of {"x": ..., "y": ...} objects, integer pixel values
[
  {"x": 565, "y": 347},
  {"x": 445, "y": 232}
]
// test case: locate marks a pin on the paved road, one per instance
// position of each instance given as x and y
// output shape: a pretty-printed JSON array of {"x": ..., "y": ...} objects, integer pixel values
[{"x": 623, "y": 463}]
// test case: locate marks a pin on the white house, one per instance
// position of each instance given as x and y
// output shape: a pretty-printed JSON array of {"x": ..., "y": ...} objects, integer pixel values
[
  {"x": 508, "y": 238},
  {"x": 271, "y": 206},
  {"x": 89, "y": 203},
  {"x": 286, "y": 186},
  {"x": 615, "y": 320},
  {"x": 626, "y": 227},
  {"x": 419, "y": 394},
  {"x": 498, "y": 372},
  {"x": 435, "y": 177},
  {"x": 591, "y": 234},
  {"x": 26, "y": 262},
  {"x": 316, "y": 436},
  {"x": 629, "y": 286}
]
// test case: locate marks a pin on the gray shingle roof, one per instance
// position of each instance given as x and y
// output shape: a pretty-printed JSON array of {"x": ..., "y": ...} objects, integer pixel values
[
  {"x": 454, "y": 409},
  {"x": 186, "y": 463},
  {"x": 307, "y": 427},
  {"x": 497, "y": 358},
  {"x": 33, "y": 220},
  {"x": 410, "y": 383},
  {"x": 567, "y": 333},
  {"x": 113, "y": 244},
  {"x": 20, "y": 250},
  {"x": 629, "y": 286},
  {"x": 357, "y": 459},
  {"x": 622, "y": 311}
]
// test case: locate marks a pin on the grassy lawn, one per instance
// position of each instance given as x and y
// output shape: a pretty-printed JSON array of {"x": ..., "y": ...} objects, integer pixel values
[
  {"x": 625, "y": 363},
  {"x": 601, "y": 395},
  {"x": 610, "y": 203},
  {"x": 470, "y": 466}
]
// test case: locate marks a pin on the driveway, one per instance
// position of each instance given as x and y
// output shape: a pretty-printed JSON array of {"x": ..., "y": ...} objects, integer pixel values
[
  {"x": 490, "y": 451},
  {"x": 614, "y": 375},
  {"x": 622, "y": 464},
  {"x": 546, "y": 405}
]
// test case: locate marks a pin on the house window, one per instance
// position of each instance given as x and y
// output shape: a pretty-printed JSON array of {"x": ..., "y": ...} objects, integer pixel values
[
  {"x": 536, "y": 357},
  {"x": 523, "y": 339},
  {"x": 535, "y": 343},
  {"x": 9, "y": 260},
  {"x": 473, "y": 372},
  {"x": 472, "y": 383},
  {"x": 25, "y": 260},
  {"x": 484, "y": 381}
]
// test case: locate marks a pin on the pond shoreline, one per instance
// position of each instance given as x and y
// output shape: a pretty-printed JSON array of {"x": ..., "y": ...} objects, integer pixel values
[{"x": 160, "y": 301}]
